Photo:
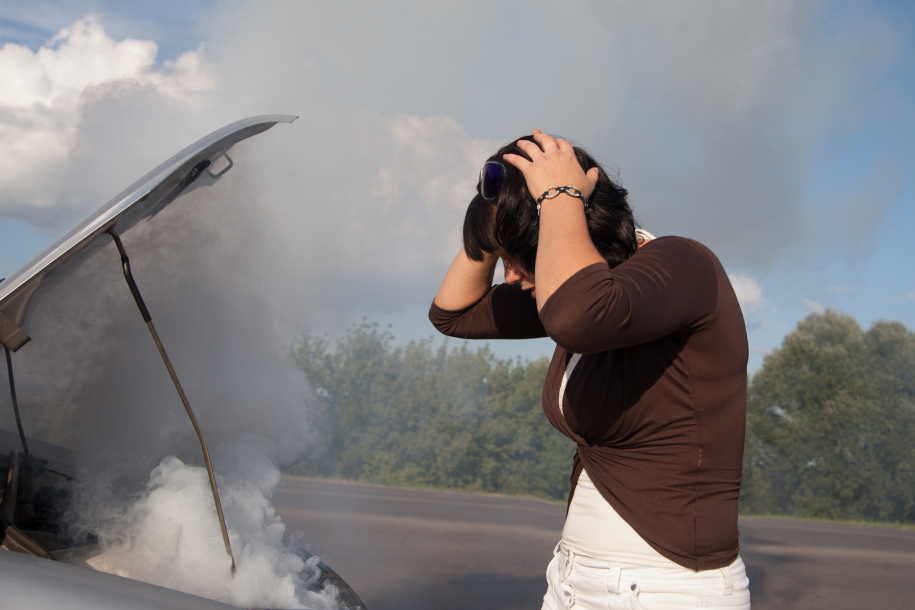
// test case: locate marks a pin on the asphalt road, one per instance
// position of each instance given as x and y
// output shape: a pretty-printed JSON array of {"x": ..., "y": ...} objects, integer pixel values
[{"x": 404, "y": 549}]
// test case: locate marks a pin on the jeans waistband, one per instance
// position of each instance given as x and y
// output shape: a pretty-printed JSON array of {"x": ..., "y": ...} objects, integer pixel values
[{"x": 664, "y": 576}]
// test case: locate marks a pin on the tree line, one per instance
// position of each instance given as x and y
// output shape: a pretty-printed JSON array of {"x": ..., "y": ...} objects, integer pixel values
[
  {"x": 830, "y": 420},
  {"x": 425, "y": 416}
]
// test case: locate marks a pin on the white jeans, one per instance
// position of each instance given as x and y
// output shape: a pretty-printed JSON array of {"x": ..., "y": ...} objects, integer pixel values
[{"x": 577, "y": 581}]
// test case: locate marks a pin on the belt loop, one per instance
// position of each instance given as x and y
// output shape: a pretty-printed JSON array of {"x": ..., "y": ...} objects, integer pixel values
[
  {"x": 728, "y": 580},
  {"x": 567, "y": 569},
  {"x": 614, "y": 574}
]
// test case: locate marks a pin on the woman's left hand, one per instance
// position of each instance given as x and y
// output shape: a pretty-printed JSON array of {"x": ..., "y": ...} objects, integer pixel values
[{"x": 555, "y": 165}]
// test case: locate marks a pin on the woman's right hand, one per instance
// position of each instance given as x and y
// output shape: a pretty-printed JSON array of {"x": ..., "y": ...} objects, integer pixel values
[
  {"x": 564, "y": 245},
  {"x": 555, "y": 165}
]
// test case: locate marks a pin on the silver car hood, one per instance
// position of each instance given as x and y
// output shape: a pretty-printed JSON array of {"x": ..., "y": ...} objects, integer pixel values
[
  {"x": 190, "y": 168},
  {"x": 32, "y": 582}
]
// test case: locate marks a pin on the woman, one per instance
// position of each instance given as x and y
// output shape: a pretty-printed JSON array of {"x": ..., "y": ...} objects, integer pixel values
[{"x": 648, "y": 376}]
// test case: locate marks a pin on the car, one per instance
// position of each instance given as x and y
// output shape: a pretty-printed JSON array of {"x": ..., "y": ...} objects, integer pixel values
[{"x": 45, "y": 560}]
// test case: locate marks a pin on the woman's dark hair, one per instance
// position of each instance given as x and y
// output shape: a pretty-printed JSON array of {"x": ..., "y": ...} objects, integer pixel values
[{"x": 515, "y": 224}]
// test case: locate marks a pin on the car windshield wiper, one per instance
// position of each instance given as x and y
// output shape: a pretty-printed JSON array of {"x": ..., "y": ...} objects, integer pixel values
[{"x": 144, "y": 311}]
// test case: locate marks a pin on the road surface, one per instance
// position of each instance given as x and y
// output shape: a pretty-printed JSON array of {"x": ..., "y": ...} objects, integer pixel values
[{"x": 405, "y": 549}]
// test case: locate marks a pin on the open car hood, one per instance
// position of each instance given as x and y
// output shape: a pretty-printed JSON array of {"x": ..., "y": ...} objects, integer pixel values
[{"x": 192, "y": 167}]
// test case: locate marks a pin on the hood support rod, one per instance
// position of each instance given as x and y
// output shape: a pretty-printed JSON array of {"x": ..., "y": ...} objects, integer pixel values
[
  {"x": 125, "y": 264},
  {"x": 9, "y": 370}
]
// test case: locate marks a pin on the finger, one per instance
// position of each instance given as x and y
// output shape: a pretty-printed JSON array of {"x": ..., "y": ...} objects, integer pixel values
[
  {"x": 545, "y": 140},
  {"x": 518, "y": 161},
  {"x": 564, "y": 146},
  {"x": 529, "y": 147},
  {"x": 591, "y": 177}
]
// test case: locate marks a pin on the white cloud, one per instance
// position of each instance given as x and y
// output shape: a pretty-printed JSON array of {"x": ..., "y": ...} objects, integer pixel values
[
  {"x": 749, "y": 294},
  {"x": 47, "y": 93},
  {"x": 910, "y": 295},
  {"x": 813, "y": 306}
]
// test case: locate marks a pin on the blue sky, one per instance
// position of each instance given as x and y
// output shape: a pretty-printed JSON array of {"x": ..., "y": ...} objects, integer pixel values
[
  {"x": 780, "y": 135},
  {"x": 175, "y": 25}
]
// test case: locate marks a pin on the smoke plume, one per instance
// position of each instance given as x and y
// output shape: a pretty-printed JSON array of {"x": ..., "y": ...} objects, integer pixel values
[{"x": 170, "y": 536}]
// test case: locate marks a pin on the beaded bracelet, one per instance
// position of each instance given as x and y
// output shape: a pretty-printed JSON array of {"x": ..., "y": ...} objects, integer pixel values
[{"x": 568, "y": 190}]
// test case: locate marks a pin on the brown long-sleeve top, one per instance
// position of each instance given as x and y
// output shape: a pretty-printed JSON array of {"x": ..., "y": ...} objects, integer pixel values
[{"x": 657, "y": 402}]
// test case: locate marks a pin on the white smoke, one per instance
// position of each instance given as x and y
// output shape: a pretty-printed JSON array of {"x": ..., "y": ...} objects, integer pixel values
[{"x": 171, "y": 536}]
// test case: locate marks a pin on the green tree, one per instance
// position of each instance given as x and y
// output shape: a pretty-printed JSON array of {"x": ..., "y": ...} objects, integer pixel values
[
  {"x": 426, "y": 416},
  {"x": 831, "y": 423}
]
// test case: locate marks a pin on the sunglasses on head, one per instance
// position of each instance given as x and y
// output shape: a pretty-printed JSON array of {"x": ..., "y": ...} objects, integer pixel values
[{"x": 491, "y": 176}]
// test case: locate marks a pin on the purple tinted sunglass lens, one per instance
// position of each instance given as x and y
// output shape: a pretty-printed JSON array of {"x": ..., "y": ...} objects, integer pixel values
[{"x": 491, "y": 179}]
